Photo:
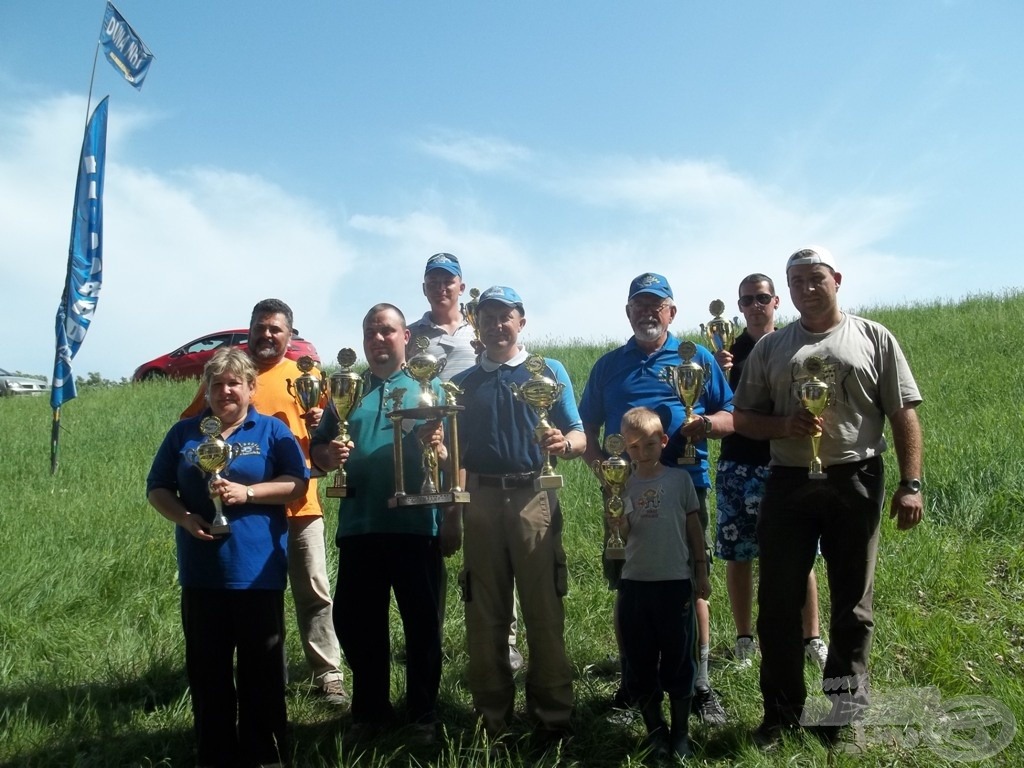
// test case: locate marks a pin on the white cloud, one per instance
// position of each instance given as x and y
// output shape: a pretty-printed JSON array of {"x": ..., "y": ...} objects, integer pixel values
[
  {"x": 482, "y": 154},
  {"x": 190, "y": 251}
]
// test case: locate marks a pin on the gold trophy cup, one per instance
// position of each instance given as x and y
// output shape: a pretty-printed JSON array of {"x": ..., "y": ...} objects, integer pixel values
[
  {"x": 814, "y": 396},
  {"x": 540, "y": 393},
  {"x": 719, "y": 332},
  {"x": 469, "y": 311},
  {"x": 307, "y": 388},
  {"x": 213, "y": 456},
  {"x": 346, "y": 389},
  {"x": 424, "y": 367},
  {"x": 613, "y": 473},
  {"x": 687, "y": 379}
]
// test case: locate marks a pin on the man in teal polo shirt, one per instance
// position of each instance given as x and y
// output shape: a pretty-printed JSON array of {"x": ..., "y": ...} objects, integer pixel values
[{"x": 382, "y": 549}]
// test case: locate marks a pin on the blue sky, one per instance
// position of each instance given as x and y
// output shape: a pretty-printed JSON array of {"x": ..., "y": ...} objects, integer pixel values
[{"x": 321, "y": 155}]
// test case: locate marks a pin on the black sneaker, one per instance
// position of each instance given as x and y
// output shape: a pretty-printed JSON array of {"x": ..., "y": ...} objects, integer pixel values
[
  {"x": 706, "y": 706},
  {"x": 767, "y": 735}
]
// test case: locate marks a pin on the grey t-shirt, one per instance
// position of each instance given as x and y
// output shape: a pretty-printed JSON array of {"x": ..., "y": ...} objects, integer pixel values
[
  {"x": 456, "y": 348},
  {"x": 868, "y": 378},
  {"x": 656, "y": 549}
]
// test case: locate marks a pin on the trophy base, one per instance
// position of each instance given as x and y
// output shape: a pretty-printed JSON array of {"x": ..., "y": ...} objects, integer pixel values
[
  {"x": 615, "y": 553},
  {"x": 343, "y": 492},
  {"x": 220, "y": 529},
  {"x": 548, "y": 483},
  {"x": 816, "y": 475},
  {"x": 428, "y": 499},
  {"x": 687, "y": 460}
]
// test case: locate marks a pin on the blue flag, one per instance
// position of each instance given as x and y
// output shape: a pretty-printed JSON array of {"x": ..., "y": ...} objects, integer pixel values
[
  {"x": 123, "y": 48},
  {"x": 85, "y": 258}
]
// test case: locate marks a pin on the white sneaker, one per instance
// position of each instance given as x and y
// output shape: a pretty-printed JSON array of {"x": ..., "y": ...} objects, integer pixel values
[
  {"x": 816, "y": 651},
  {"x": 745, "y": 651}
]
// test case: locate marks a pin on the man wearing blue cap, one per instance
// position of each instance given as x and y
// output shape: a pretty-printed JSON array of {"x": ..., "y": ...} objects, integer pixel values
[
  {"x": 451, "y": 339},
  {"x": 513, "y": 533},
  {"x": 868, "y": 381},
  {"x": 632, "y": 376},
  {"x": 450, "y": 334}
]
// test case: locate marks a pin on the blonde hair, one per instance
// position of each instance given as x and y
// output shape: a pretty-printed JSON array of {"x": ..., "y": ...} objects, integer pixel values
[
  {"x": 229, "y": 360},
  {"x": 642, "y": 420}
]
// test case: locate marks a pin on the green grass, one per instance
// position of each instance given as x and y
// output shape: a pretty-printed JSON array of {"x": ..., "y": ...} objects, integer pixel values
[{"x": 91, "y": 658}]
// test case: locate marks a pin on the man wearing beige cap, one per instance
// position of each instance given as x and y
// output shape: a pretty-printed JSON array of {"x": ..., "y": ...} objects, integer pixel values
[{"x": 868, "y": 381}]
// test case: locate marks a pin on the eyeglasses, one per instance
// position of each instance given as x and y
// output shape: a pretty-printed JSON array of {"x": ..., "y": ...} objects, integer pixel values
[
  {"x": 764, "y": 299},
  {"x": 644, "y": 308}
]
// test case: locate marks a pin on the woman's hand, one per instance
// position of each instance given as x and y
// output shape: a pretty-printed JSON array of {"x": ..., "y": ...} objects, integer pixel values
[
  {"x": 195, "y": 525},
  {"x": 230, "y": 493}
]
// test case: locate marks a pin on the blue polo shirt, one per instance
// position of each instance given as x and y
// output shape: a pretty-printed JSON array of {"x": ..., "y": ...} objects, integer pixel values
[
  {"x": 254, "y": 556},
  {"x": 496, "y": 430},
  {"x": 371, "y": 466},
  {"x": 628, "y": 378}
]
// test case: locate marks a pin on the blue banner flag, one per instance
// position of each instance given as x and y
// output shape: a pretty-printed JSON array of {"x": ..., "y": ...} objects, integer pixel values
[
  {"x": 85, "y": 264},
  {"x": 123, "y": 48}
]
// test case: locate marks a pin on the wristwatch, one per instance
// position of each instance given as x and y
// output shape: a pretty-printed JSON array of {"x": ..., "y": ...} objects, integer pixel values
[
  {"x": 707, "y": 425},
  {"x": 250, "y": 494},
  {"x": 912, "y": 486}
]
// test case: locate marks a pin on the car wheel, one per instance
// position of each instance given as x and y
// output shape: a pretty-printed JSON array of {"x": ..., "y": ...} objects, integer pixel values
[{"x": 153, "y": 375}]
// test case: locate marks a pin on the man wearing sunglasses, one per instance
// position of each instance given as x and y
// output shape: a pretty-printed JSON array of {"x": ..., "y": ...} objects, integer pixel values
[
  {"x": 739, "y": 485},
  {"x": 632, "y": 376},
  {"x": 869, "y": 381}
]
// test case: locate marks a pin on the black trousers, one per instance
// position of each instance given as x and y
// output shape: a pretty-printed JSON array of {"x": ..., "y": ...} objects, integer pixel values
[
  {"x": 243, "y": 724},
  {"x": 659, "y": 638},
  {"x": 370, "y": 566},
  {"x": 844, "y": 511}
]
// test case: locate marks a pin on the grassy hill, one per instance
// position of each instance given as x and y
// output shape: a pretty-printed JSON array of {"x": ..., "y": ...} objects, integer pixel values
[{"x": 91, "y": 654}]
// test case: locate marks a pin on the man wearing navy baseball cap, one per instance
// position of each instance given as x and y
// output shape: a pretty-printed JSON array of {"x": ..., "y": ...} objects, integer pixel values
[
  {"x": 451, "y": 338},
  {"x": 631, "y": 376},
  {"x": 513, "y": 532}
]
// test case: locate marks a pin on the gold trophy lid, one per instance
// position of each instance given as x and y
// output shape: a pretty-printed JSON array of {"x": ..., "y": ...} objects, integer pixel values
[
  {"x": 717, "y": 307},
  {"x": 535, "y": 365},
  {"x": 687, "y": 349},
  {"x": 210, "y": 426},
  {"x": 305, "y": 364},
  {"x": 814, "y": 365},
  {"x": 346, "y": 357},
  {"x": 614, "y": 445}
]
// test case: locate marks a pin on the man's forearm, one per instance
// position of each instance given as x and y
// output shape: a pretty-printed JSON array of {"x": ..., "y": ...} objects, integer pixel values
[{"x": 908, "y": 442}]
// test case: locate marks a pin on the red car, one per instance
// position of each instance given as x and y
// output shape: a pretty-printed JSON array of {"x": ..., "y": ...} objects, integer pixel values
[{"x": 187, "y": 361}]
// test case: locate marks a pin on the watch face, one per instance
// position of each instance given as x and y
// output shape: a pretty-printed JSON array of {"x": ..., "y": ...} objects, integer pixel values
[{"x": 914, "y": 486}]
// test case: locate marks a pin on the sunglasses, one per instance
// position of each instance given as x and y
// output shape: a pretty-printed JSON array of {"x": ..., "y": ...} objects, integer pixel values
[{"x": 764, "y": 299}]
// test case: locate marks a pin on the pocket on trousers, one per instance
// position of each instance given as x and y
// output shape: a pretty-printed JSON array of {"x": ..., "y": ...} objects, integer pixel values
[
  {"x": 465, "y": 586},
  {"x": 561, "y": 574}
]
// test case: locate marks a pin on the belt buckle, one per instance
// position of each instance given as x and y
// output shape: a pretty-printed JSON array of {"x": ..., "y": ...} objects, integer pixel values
[{"x": 509, "y": 483}]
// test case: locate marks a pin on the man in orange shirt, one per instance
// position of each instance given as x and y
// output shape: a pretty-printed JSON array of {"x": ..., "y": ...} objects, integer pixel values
[{"x": 270, "y": 330}]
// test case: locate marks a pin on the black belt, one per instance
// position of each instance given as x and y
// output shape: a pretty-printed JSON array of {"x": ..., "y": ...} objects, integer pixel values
[{"x": 507, "y": 482}]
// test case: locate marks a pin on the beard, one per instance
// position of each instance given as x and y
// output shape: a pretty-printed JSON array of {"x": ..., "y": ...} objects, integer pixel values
[
  {"x": 264, "y": 352},
  {"x": 649, "y": 332}
]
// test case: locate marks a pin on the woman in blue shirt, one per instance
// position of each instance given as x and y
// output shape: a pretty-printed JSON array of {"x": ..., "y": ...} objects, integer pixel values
[{"x": 232, "y": 582}]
